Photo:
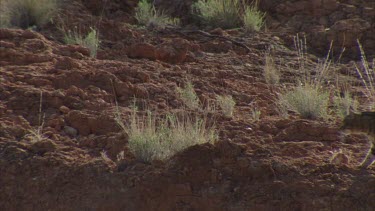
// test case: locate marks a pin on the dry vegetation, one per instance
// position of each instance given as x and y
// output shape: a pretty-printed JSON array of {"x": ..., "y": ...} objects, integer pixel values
[
  {"x": 90, "y": 41},
  {"x": 152, "y": 137},
  {"x": 260, "y": 99},
  {"x": 367, "y": 75},
  {"x": 229, "y": 14},
  {"x": 226, "y": 103},
  {"x": 159, "y": 138},
  {"x": 188, "y": 96},
  {"x": 26, "y": 13},
  {"x": 147, "y": 15}
]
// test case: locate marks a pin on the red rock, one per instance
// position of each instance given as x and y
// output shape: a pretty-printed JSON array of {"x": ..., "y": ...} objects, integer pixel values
[
  {"x": 66, "y": 63},
  {"x": 79, "y": 120},
  {"x": 64, "y": 109},
  {"x": 5, "y": 44},
  {"x": 142, "y": 50},
  {"x": 173, "y": 51}
]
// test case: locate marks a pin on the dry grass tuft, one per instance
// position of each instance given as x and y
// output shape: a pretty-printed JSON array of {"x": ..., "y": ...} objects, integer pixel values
[
  {"x": 147, "y": 15},
  {"x": 253, "y": 18},
  {"x": 90, "y": 41},
  {"x": 309, "y": 101},
  {"x": 189, "y": 96},
  {"x": 219, "y": 13},
  {"x": 152, "y": 138},
  {"x": 345, "y": 104},
  {"x": 226, "y": 103}
]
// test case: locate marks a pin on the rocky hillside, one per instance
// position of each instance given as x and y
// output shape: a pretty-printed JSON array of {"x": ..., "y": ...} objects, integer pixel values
[{"x": 82, "y": 161}]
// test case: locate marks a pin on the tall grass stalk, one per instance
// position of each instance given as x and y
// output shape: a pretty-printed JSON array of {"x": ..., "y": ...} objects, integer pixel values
[
  {"x": 270, "y": 71},
  {"x": 300, "y": 45},
  {"x": 367, "y": 75}
]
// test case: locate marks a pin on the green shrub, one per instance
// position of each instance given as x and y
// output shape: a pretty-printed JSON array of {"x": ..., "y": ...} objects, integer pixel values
[
  {"x": 226, "y": 104},
  {"x": 345, "y": 104},
  {"x": 253, "y": 19},
  {"x": 309, "y": 101},
  {"x": 219, "y": 13},
  {"x": 147, "y": 15},
  {"x": 26, "y": 13},
  {"x": 159, "y": 139},
  {"x": 188, "y": 96},
  {"x": 90, "y": 41}
]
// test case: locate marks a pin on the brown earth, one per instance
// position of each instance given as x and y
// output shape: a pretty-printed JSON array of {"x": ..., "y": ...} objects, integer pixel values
[
  {"x": 321, "y": 21},
  {"x": 275, "y": 163}
]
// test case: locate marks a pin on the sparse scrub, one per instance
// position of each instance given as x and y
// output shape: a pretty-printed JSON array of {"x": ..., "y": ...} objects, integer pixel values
[
  {"x": 26, "y": 13},
  {"x": 147, "y": 15},
  {"x": 309, "y": 98},
  {"x": 219, "y": 13},
  {"x": 90, "y": 41},
  {"x": 309, "y": 101},
  {"x": 151, "y": 138},
  {"x": 226, "y": 104},
  {"x": 188, "y": 96},
  {"x": 271, "y": 73},
  {"x": 253, "y": 19}
]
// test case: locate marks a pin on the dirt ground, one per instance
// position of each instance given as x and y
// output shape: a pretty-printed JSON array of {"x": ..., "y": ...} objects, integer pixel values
[{"x": 275, "y": 163}]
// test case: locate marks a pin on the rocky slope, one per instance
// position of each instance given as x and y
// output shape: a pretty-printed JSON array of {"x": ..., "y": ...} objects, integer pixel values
[{"x": 271, "y": 164}]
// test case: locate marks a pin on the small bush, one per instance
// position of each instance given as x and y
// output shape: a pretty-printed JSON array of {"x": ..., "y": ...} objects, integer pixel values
[
  {"x": 159, "y": 139},
  {"x": 226, "y": 104},
  {"x": 308, "y": 100},
  {"x": 219, "y": 13},
  {"x": 271, "y": 73},
  {"x": 26, "y": 13},
  {"x": 253, "y": 19},
  {"x": 188, "y": 96},
  {"x": 90, "y": 41},
  {"x": 345, "y": 104},
  {"x": 147, "y": 15}
]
